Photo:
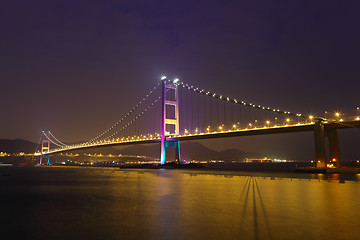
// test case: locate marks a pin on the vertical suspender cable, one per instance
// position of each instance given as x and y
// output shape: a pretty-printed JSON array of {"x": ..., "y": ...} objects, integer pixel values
[
  {"x": 198, "y": 111},
  {"x": 224, "y": 122},
  {"x": 217, "y": 112},
  {"x": 211, "y": 112}
]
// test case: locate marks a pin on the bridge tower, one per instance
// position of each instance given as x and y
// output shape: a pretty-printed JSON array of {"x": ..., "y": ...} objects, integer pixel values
[
  {"x": 170, "y": 118},
  {"x": 45, "y": 148}
]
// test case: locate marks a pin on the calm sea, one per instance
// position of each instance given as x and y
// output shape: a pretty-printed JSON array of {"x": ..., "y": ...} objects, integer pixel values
[{"x": 103, "y": 203}]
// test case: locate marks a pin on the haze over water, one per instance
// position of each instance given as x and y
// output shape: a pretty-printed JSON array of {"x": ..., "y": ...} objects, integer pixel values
[{"x": 103, "y": 203}]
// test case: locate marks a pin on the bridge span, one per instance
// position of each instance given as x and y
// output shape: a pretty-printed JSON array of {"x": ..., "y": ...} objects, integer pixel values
[{"x": 196, "y": 114}]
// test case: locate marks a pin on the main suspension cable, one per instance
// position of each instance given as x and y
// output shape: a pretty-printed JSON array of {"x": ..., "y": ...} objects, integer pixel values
[{"x": 57, "y": 140}]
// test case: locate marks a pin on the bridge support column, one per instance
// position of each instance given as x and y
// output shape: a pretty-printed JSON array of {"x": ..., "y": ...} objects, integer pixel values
[
  {"x": 170, "y": 120},
  {"x": 320, "y": 149},
  {"x": 163, "y": 151},
  {"x": 47, "y": 159},
  {"x": 177, "y": 152},
  {"x": 168, "y": 144},
  {"x": 334, "y": 146}
]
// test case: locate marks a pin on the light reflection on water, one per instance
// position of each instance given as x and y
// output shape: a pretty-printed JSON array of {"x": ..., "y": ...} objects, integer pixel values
[{"x": 95, "y": 203}]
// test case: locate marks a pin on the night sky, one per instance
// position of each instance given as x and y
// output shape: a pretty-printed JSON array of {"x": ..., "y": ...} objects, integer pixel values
[{"x": 76, "y": 67}]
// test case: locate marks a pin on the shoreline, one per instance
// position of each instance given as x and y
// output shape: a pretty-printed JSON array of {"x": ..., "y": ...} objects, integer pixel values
[
  {"x": 7, "y": 172},
  {"x": 243, "y": 167}
]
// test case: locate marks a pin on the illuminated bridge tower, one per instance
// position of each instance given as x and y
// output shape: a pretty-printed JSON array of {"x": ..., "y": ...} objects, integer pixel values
[
  {"x": 45, "y": 148},
  {"x": 170, "y": 118}
]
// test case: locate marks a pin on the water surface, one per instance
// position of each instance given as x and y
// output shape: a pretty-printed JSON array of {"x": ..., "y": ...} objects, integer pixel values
[{"x": 103, "y": 203}]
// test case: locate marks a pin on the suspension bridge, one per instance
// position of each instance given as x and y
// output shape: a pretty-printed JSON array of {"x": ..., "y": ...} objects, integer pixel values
[{"x": 175, "y": 111}]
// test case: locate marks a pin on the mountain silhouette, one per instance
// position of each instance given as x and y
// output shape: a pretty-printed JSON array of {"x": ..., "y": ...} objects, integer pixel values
[
  {"x": 191, "y": 151},
  {"x": 17, "y": 146}
]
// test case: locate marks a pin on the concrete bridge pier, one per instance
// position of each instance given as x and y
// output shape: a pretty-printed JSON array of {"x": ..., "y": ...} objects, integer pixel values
[
  {"x": 320, "y": 149},
  {"x": 334, "y": 146}
]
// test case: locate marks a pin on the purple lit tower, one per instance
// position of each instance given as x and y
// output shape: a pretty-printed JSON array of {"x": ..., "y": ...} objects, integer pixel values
[{"x": 170, "y": 117}]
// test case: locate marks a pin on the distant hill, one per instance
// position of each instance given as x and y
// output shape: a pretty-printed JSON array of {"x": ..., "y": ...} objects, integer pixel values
[
  {"x": 189, "y": 150},
  {"x": 17, "y": 145}
]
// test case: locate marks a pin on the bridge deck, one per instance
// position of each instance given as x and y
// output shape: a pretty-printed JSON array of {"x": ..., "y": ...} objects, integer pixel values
[{"x": 231, "y": 133}]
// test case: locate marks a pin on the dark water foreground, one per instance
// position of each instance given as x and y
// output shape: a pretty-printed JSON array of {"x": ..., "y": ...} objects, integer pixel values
[{"x": 102, "y": 203}]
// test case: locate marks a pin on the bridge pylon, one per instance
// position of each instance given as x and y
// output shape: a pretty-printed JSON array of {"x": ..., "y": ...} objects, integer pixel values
[
  {"x": 45, "y": 148},
  {"x": 170, "y": 118}
]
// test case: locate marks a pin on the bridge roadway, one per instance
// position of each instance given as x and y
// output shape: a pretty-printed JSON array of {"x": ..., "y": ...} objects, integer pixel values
[
  {"x": 268, "y": 130},
  {"x": 305, "y": 127}
]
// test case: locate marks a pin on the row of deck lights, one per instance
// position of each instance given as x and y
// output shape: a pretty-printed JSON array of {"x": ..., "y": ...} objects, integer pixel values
[
  {"x": 235, "y": 128},
  {"x": 221, "y": 127},
  {"x": 338, "y": 115}
]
